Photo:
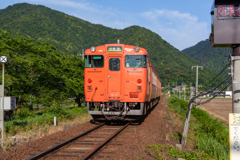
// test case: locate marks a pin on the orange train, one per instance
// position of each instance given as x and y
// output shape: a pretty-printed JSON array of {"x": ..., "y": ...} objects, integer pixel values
[{"x": 120, "y": 82}]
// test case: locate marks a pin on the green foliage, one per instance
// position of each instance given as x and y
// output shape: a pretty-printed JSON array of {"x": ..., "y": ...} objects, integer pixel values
[
  {"x": 177, "y": 153},
  {"x": 57, "y": 110},
  {"x": 214, "y": 58},
  {"x": 37, "y": 74},
  {"x": 45, "y": 118},
  {"x": 166, "y": 117},
  {"x": 70, "y": 35},
  {"x": 23, "y": 113},
  {"x": 212, "y": 135},
  {"x": 212, "y": 147}
]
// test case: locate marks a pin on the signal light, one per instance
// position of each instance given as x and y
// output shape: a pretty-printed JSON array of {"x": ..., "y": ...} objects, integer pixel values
[
  {"x": 89, "y": 80},
  {"x": 139, "y": 80}
]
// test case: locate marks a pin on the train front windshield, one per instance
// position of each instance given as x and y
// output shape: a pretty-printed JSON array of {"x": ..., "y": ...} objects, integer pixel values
[
  {"x": 94, "y": 61},
  {"x": 136, "y": 61}
]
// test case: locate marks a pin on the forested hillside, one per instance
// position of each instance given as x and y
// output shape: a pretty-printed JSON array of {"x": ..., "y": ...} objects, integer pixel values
[
  {"x": 213, "y": 58},
  {"x": 70, "y": 35}
]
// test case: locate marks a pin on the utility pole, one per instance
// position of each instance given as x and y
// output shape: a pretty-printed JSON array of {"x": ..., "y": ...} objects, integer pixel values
[
  {"x": 184, "y": 93},
  {"x": 179, "y": 93},
  {"x": 177, "y": 89},
  {"x": 236, "y": 78},
  {"x": 82, "y": 54},
  {"x": 197, "y": 80}
]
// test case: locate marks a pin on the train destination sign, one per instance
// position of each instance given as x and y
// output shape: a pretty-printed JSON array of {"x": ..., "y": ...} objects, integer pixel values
[
  {"x": 114, "y": 49},
  {"x": 228, "y": 11}
]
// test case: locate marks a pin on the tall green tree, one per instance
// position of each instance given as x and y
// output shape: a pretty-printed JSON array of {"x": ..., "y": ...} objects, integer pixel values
[{"x": 72, "y": 67}]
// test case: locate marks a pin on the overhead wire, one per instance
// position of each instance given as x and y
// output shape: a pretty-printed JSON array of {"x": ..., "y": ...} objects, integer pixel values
[{"x": 223, "y": 77}]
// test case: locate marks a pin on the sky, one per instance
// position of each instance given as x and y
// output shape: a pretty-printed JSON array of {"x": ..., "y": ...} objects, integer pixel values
[{"x": 182, "y": 23}]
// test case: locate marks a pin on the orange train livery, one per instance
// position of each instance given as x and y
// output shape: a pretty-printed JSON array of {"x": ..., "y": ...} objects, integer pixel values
[{"x": 120, "y": 82}]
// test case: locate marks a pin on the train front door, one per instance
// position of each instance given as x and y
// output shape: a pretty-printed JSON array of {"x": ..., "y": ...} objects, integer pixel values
[{"x": 114, "y": 77}]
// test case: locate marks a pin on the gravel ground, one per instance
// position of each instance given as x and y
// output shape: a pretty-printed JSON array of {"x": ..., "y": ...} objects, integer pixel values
[{"x": 157, "y": 128}]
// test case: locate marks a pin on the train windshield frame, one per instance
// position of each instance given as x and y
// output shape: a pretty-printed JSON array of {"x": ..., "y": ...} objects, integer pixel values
[
  {"x": 136, "y": 61},
  {"x": 94, "y": 61}
]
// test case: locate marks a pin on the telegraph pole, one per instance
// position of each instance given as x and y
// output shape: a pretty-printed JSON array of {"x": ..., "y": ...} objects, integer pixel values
[
  {"x": 179, "y": 93},
  {"x": 82, "y": 54},
  {"x": 236, "y": 78},
  {"x": 184, "y": 93},
  {"x": 197, "y": 80}
]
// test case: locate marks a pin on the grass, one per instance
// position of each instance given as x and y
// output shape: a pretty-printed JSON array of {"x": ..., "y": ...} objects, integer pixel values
[
  {"x": 166, "y": 117},
  {"x": 174, "y": 153},
  {"x": 211, "y": 135},
  {"x": 26, "y": 120}
]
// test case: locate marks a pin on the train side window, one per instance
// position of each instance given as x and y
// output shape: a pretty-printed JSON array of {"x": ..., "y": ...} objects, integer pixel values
[
  {"x": 114, "y": 64},
  {"x": 136, "y": 61},
  {"x": 94, "y": 61}
]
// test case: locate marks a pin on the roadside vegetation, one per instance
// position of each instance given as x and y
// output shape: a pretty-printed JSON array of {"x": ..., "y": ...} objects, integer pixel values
[
  {"x": 208, "y": 137},
  {"x": 26, "y": 119}
]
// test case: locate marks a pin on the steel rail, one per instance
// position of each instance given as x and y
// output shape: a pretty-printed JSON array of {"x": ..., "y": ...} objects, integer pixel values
[
  {"x": 91, "y": 153},
  {"x": 54, "y": 148}
]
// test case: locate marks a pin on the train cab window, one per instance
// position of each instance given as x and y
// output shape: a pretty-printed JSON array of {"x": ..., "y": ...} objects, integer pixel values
[
  {"x": 96, "y": 61},
  {"x": 114, "y": 64},
  {"x": 136, "y": 61}
]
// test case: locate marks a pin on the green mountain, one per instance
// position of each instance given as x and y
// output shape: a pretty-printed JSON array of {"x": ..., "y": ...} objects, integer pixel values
[
  {"x": 213, "y": 58},
  {"x": 70, "y": 35}
]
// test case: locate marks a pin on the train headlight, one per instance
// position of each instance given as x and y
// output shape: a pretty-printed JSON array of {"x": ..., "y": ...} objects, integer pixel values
[
  {"x": 89, "y": 80},
  {"x": 136, "y": 49},
  {"x": 139, "y": 80},
  {"x": 93, "y": 49}
]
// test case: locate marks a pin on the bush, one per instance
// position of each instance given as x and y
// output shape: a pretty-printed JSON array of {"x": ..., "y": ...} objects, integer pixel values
[
  {"x": 55, "y": 110},
  {"x": 26, "y": 120},
  {"x": 23, "y": 113}
]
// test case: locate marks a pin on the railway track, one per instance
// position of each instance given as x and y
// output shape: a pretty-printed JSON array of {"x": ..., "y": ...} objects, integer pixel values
[{"x": 100, "y": 142}]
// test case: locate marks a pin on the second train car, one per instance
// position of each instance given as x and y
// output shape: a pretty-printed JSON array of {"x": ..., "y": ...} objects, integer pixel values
[{"x": 120, "y": 82}]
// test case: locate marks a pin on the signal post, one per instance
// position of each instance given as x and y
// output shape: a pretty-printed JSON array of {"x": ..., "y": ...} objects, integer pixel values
[
  {"x": 225, "y": 22},
  {"x": 3, "y": 60}
]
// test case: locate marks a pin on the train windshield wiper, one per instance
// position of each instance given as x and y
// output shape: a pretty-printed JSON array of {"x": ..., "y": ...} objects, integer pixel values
[{"x": 137, "y": 65}]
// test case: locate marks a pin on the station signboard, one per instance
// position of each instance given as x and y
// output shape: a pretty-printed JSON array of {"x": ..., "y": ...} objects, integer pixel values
[
  {"x": 234, "y": 135},
  {"x": 228, "y": 11}
]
